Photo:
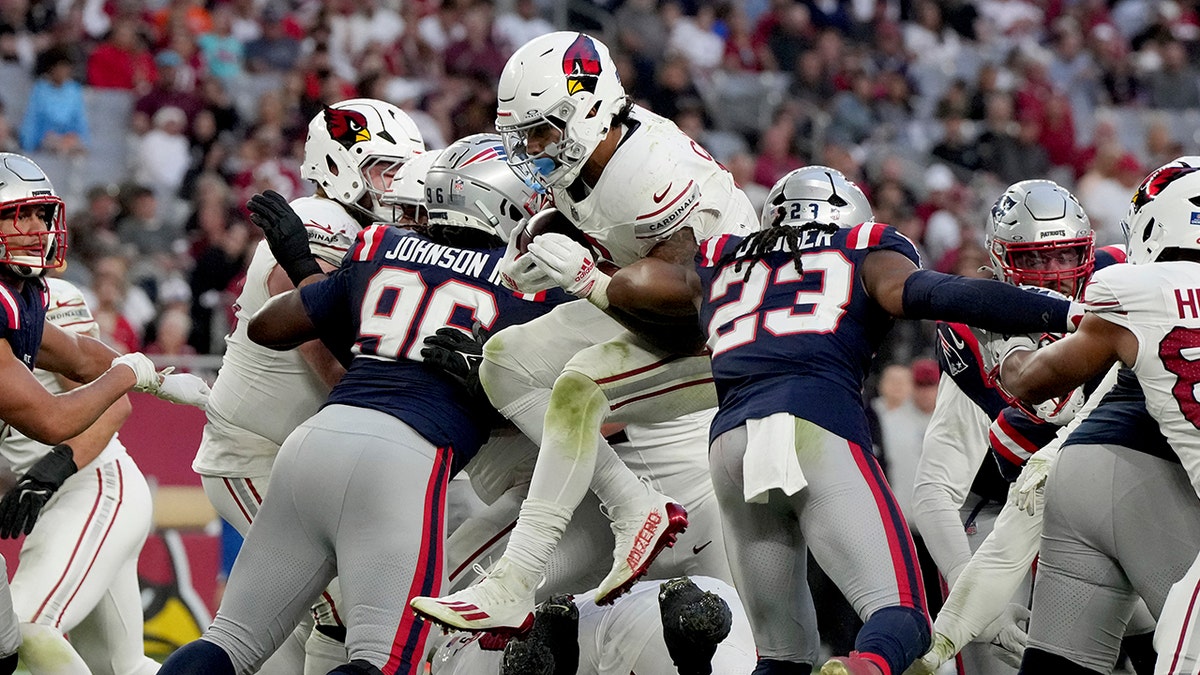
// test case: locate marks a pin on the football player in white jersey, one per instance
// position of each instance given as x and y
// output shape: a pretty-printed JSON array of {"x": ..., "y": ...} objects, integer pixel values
[
  {"x": 630, "y": 636},
  {"x": 642, "y": 194},
  {"x": 353, "y": 150},
  {"x": 1147, "y": 317},
  {"x": 78, "y": 569}
]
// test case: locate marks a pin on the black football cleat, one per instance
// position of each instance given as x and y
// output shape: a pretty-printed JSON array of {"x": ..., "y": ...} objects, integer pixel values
[
  {"x": 552, "y": 646},
  {"x": 694, "y": 623}
]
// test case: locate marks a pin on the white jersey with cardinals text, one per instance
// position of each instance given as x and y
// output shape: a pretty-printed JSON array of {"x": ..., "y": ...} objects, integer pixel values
[
  {"x": 261, "y": 395},
  {"x": 657, "y": 181}
]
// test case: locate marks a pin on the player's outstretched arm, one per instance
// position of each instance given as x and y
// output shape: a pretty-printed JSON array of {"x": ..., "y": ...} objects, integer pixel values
[
  {"x": 318, "y": 357},
  {"x": 1055, "y": 370},
  {"x": 906, "y": 291},
  {"x": 50, "y": 419}
]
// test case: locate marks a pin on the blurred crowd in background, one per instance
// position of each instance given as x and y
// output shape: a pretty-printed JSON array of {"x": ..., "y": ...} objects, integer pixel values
[{"x": 158, "y": 119}]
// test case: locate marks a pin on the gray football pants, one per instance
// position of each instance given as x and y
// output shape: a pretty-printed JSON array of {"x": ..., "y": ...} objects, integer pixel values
[
  {"x": 1119, "y": 524},
  {"x": 846, "y": 515},
  {"x": 358, "y": 494}
]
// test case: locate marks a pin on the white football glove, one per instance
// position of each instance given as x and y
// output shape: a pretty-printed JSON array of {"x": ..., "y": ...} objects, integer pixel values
[
  {"x": 518, "y": 272},
  {"x": 142, "y": 367},
  {"x": 570, "y": 265},
  {"x": 1007, "y": 635},
  {"x": 1032, "y": 481},
  {"x": 182, "y": 388}
]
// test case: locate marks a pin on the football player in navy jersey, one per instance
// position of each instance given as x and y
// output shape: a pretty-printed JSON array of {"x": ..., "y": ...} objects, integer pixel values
[
  {"x": 32, "y": 240},
  {"x": 794, "y": 314},
  {"x": 359, "y": 489},
  {"x": 1037, "y": 236}
]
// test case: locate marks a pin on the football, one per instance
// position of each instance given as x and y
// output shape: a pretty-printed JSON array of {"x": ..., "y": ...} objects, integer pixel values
[{"x": 550, "y": 220}]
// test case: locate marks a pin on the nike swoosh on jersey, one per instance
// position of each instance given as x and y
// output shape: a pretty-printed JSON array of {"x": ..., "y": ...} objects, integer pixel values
[
  {"x": 662, "y": 195},
  {"x": 696, "y": 549}
]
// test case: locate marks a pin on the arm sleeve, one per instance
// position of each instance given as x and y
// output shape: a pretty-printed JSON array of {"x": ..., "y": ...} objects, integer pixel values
[
  {"x": 950, "y": 457},
  {"x": 984, "y": 303}
]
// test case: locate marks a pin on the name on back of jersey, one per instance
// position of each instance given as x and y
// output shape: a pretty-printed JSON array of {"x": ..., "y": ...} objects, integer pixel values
[{"x": 424, "y": 252}]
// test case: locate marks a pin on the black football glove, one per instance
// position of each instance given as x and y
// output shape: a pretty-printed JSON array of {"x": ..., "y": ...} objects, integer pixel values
[
  {"x": 285, "y": 235},
  {"x": 458, "y": 355},
  {"x": 22, "y": 504}
]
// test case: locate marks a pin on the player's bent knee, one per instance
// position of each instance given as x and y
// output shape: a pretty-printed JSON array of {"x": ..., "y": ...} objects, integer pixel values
[
  {"x": 356, "y": 667},
  {"x": 1038, "y": 662}
]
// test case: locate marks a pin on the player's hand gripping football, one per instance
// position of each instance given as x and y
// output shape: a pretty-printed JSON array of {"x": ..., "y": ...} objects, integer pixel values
[
  {"x": 458, "y": 355},
  {"x": 23, "y": 503},
  {"x": 518, "y": 271},
  {"x": 285, "y": 235},
  {"x": 569, "y": 264}
]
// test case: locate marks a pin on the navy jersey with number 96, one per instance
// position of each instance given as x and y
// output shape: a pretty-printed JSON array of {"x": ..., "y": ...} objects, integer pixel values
[
  {"x": 796, "y": 343},
  {"x": 395, "y": 288}
]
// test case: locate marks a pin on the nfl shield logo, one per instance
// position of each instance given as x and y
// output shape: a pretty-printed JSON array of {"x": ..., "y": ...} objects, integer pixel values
[{"x": 1196, "y": 217}]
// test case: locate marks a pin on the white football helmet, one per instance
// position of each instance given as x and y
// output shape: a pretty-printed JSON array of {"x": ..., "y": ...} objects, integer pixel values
[
  {"x": 816, "y": 194},
  {"x": 1165, "y": 211},
  {"x": 1039, "y": 235},
  {"x": 355, "y": 147},
  {"x": 33, "y": 231},
  {"x": 471, "y": 186},
  {"x": 406, "y": 196},
  {"x": 331, "y": 229},
  {"x": 561, "y": 91}
]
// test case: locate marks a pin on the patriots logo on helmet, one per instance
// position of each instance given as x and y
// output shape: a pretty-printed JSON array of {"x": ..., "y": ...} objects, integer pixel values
[
  {"x": 1158, "y": 181},
  {"x": 346, "y": 126},
  {"x": 581, "y": 65}
]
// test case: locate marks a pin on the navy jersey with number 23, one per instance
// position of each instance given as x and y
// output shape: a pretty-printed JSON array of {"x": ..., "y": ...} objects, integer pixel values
[
  {"x": 395, "y": 288},
  {"x": 797, "y": 343}
]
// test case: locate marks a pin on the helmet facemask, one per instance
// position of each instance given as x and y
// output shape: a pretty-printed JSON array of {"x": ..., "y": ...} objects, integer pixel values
[
  {"x": 1062, "y": 265},
  {"x": 33, "y": 235},
  {"x": 559, "y": 158}
]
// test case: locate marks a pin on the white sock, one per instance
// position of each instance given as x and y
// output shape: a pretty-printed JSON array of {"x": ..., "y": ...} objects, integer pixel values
[
  {"x": 539, "y": 527},
  {"x": 567, "y": 459}
]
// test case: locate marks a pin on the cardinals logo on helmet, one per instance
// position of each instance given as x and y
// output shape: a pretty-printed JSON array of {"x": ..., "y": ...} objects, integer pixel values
[
  {"x": 1158, "y": 181},
  {"x": 346, "y": 126},
  {"x": 581, "y": 65}
]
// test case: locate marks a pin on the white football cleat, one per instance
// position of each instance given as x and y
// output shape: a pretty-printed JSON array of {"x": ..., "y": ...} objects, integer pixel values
[
  {"x": 642, "y": 531},
  {"x": 501, "y": 603}
]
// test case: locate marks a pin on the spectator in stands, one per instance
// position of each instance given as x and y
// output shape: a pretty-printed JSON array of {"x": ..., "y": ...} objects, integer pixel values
[
  {"x": 144, "y": 231},
  {"x": 853, "y": 112},
  {"x": 217, "y": 266},
  {"x": 55, "y": 119},
  {"x": 522, "y": 24},
  {"x": 956, "y": 148},
  {"x": 173, "y": 328},
  {"x": 1009, "y": 148},
  {"x": 641, "y": 32},
  {"x": 222, "y": 51},
  {"x": 122, "y": 61},
  {"x": 693, "y": 37},
  {"x": 93, "y": 231},
  {"x": 440, "y": 28},
  {"x": 274, "y": 50},
  {"x": 928, "y": 38},
  {"x": 25, "y": 29},
  {"x": 775, "y": 154},
  {"x": 1105, "y": 189},
  {"x": 8, "y": 135},
  {"x": 476, "y": 55},
  {"x": 162, "y": 157},
  {"x": 675, "y": 88},
  {"x": 791, "y": 35},
  {"x": 1177, "y": 85},
  {"x": 1161, "y": 146},
  {"x": 165, "y": 92},
  {"x": 114, "y": 299},
  {"x": 744, "y": 51}
]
